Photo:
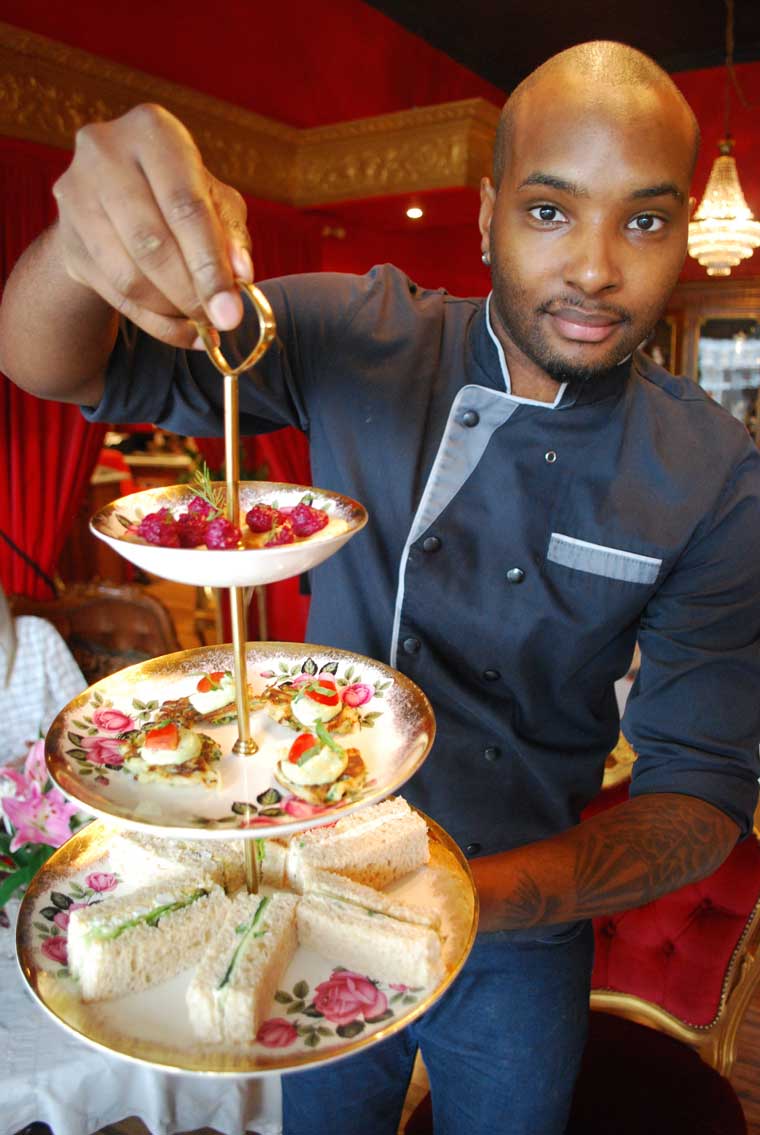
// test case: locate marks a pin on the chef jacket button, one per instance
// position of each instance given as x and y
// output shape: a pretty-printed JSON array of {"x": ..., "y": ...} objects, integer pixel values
[
  {"x": 470, "y": 418},
  {"x": 550, "y": 456},
  {"x": 492, "y": 753},
  {"x": 472, "y": 848},
  {"x": 491, "y": 675},
  {"x": 515, "y": 575},
  {"x": 431, "y": 544},
  {"x": 411, "y": 645}
]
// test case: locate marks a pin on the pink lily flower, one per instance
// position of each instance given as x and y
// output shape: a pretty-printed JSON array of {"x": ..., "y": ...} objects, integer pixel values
[{"x": 39, "y": 818}]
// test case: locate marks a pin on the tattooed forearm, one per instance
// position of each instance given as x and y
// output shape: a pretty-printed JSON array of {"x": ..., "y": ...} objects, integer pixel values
[{"x": 620, "y": 858}]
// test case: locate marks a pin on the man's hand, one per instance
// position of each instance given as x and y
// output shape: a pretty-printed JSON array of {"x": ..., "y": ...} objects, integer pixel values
[
  {"x": 621, "y": 858},
  {"x": 145, "y": 226}
]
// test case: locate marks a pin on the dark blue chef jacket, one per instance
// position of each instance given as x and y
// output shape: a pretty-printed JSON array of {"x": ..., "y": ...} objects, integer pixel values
[{"x": 515, "y": 549}]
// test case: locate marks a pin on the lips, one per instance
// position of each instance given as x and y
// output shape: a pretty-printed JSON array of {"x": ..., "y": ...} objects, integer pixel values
[{"x": 584, "y": 326}]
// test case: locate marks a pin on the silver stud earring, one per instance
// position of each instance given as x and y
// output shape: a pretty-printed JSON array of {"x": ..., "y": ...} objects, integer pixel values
[{"x": 486, "y": 258}]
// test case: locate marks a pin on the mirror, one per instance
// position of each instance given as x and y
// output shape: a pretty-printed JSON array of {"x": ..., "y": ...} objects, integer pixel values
[{"x": 728, "y": 366}]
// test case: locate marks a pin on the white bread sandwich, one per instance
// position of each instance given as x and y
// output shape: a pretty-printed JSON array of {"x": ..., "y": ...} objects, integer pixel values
[
  {"x": 369, "y": 941},
  {"x": 375, "y": 846},
  {"x": 330, "y": 885},
  {"x": 129, "y": 942},
  {"x": 233, "y": 987},
  {"x": 143, "y": 859}
]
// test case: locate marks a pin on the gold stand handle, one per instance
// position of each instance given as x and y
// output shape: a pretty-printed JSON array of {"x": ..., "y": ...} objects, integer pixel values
[{"x": 245, "y": 744}]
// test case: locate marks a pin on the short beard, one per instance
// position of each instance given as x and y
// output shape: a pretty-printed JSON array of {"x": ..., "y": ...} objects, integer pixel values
[{"x": 510, "y": 301}]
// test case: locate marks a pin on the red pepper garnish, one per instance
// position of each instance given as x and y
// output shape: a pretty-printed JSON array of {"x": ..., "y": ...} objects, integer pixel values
[
  {"x": 210, "y": 681},
  {"x": 165, "y": 737},
  {"x": 302, "y": 742},
  {"x": 324, "y": 691}
]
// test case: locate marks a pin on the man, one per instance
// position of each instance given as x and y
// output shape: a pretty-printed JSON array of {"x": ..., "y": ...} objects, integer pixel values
[{"x": 539, "y": 499}]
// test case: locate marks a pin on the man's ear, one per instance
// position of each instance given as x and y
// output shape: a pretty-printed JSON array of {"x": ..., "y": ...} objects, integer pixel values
[{"x": 487, "y": 200}]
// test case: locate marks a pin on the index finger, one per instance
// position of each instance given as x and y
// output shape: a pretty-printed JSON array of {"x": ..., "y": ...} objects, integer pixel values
[{"x": 180, "y": 184}]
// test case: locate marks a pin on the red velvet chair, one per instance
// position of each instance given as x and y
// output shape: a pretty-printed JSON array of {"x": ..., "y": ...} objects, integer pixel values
[{"x": 672, "y": 981}]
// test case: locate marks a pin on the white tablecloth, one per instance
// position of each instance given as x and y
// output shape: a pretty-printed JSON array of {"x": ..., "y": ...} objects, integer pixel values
[{"x": 47, "y": 1075}]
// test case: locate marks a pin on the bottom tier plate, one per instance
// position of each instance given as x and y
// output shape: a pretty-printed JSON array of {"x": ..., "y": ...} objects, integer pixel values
[{"x": 321, "y": 1012}]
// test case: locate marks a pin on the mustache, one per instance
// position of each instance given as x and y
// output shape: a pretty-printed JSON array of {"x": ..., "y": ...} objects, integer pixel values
[{"x": 573, "y": 302}]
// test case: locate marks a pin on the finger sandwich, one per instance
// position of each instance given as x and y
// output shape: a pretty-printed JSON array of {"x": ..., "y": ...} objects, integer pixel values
[
  {"x": 127, "y": 943},
  {"x": 146, "y": 859},
  {"x": 375, "y": 846},
  {"x": 233, "y": 987},
  {"x": 330, "y": 885},
  {"x": 378, "y": 940}
]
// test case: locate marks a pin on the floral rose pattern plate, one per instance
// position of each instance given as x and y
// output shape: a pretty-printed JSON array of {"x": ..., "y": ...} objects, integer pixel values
[
  {"x": 320, "y": 1012},
  {"x": 391, "y": 725}
]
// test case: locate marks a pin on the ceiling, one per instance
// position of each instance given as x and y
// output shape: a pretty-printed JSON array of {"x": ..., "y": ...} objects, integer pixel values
[{"x": 504, "y": 41}]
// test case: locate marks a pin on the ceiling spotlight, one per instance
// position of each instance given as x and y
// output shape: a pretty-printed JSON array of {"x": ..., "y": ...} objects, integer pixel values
[{"x": 414, "y": 212}]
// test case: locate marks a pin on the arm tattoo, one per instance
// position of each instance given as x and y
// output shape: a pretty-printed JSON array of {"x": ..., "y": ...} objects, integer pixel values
[{"x": 621, "y": 858}]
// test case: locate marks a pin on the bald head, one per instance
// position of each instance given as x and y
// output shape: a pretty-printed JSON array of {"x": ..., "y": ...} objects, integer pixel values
[{"x": 596, "y": 72}]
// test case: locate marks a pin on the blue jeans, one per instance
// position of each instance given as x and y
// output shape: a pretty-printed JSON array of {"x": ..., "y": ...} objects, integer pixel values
[{"x": 502, "y": 1049}]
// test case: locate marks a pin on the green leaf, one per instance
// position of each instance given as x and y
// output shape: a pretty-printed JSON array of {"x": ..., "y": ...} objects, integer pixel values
[
  {"x": 324, "y": 1031},
  {"x": 350, "y": 672},
  {"x": 58, "y": 899},
  {"x": 241, "y": 808},
  {"x": 296, "y": 1007},
  {"x": 409, "y": 1000},
  {"x": 75, "y": 738},
  {"x": 80, "y": 724},
  {"x": 271, "y": 812},
  {"x": 97, "y": 699},
  {"x": 282, "y": 997},
  {"x": 300, "y": 989},
  {"x": 16, "y": 879},
  {"x": 78, "y": 755},
  {"x": 312, "y": 1011},
  {"x": 309, "y": 666},
  {"x": 49, "y": 912},
  {"x": 329, "y": 668},
  {"x": 353, "y": 1028},
  {"x": 124, "y": 521},
  {"x": 396, "y": 997},
  {"x": 138, "y": 704},
  {"x": 386, "y": 1016},
  {"x": 88, "y": 771},
  {"x": 268, "y": 798},
  {"x": 77, "y": 891},
  {"x": 43, "y": 929},
  {"x": 283, "y": 668},
  {"x": 312, "y": 1040}
]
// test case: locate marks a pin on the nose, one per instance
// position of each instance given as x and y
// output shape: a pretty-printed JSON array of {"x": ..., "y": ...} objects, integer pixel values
[{"x": 592, "y": 265}]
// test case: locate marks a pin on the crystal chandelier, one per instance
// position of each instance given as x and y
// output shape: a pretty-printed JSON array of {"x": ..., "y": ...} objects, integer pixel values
[{"x": 724, "y": 231}]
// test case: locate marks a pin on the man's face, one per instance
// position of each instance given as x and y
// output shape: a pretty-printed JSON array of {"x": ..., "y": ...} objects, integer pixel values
[{"x": 587, "y": 232}]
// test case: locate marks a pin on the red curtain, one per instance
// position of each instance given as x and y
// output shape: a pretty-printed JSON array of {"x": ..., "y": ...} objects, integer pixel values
[{"x": 48, "y": 451}]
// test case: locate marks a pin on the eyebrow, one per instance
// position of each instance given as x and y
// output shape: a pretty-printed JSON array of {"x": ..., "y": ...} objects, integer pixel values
[{"x": 663, "y": 189}]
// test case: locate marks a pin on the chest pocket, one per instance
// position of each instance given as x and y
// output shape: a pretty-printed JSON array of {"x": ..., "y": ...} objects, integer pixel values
[{"x": 600, "y": 560}]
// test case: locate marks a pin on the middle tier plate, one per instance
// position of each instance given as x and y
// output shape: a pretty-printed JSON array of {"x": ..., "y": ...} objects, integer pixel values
[{"x": 384, "y": 716}]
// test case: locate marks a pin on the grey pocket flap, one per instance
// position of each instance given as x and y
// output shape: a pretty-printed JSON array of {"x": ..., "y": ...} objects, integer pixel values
[{"x": 614, "y": 563}]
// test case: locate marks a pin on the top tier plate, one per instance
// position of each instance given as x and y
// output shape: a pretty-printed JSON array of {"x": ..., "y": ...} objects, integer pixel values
[{"x": 236, "y": 567}]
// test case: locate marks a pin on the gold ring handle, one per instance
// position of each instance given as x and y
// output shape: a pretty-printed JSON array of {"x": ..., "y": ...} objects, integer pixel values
[{"x": 267, "y": 329}]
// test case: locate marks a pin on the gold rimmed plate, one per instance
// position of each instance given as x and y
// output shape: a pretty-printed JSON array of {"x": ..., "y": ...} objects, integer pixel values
[
  {"x": 320, "y": 1012},
  {"x": 235, "y": 567},
  {"x": 387, "y": 718}
]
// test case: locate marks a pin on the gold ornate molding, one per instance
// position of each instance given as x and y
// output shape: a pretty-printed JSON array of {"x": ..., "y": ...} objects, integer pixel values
[{"x": 49, "y": 90}]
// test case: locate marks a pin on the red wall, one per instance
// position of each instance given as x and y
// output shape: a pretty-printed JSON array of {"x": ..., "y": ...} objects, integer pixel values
[
  {"x": 308, "y": 62},
  {"x": 305, "y": 62}
]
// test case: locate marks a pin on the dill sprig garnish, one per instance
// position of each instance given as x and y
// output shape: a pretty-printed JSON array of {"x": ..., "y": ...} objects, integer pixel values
[{"x": 203, "y": 487}]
